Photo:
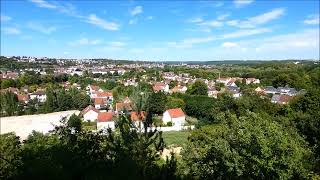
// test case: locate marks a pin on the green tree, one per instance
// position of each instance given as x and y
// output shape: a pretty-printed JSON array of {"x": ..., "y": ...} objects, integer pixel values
[
  {"x": 156, "y": 103},
  {"x": 51, "y": 101},
  {"x": 74, "y": 122},
  {"x": 9, "y": 103},
  {"x": 174, "y": 103},
  {"x": 5, "y": 83},
  {"x": 10, "y": 159},
  {"x": 198, "y": 88},
  {"x": 248, "y": 147}
]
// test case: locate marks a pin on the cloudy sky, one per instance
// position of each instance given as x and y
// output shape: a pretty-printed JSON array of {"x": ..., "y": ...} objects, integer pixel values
[{"x": 155, "y": 30}]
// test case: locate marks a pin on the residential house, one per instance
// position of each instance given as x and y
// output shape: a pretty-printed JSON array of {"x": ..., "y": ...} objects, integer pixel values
[
  {"x": 138, "y": 120},
  {"x": 223, "y": 80},
  {"x": 252, "y": 81},
  {"x": 100, "y": 103},
  {"x": 93, "y": 89},
  {"x": 281, "y": 99},
  {"x": 23, "y": 98},
  {"x": 105, "y": 95},
  {"x": 232, "y": 82},
  {"x": 90, "y": 113},
  {"x": 159, "y": 86},
  {"x": 235, "y": 91},
  {"x": 179, "y": 89},
  {"x": 212, "y": 92},
  {"x": 40, "y": 95},
  {"x": 176, "y": 116},
  {"x": 287, "y": 91},
  {"x": 105, "y": 120},
  {"x": 270, "y": 90},
  {"x": 258, "y": 90},
  {"x": 123, "y": 107}
]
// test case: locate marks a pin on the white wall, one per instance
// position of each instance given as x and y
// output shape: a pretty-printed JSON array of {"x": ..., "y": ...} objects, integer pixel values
[
  {"x": 105, "y": 125},
  {"x": 90, "y": 116},
  {"x": 180, "y": 121},
  {"x": 166, "y": 117}
]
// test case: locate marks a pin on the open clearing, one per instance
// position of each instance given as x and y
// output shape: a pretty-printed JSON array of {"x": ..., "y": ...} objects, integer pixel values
[{"x": 178, "y": 138}]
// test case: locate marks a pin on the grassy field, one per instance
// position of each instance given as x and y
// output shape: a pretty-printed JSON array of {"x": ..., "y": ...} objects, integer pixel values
[{"x": 175, "y": 137}]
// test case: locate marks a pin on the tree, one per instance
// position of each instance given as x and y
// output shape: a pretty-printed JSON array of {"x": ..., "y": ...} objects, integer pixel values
[
  {"x": 248, "y": 147},
  {"x": 5, "y": 83},
  {"x": 173, "y": 84},
  {"x": 198, "y": 88},
  {"x": 219, "y": 86},
  {"x": 51, "y": 101},
  {"x": 9, "y": 103},
  {"x": 156, "y": 103},
  {"x": 10, "y": 159},
  {"x": 74, "y": 122},
  {"x": 68, "y": 154},
  {"x": 174, "y": 103}
]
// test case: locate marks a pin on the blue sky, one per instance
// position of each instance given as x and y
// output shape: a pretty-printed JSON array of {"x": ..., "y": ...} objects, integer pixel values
[{"x": 161, "y": 30}]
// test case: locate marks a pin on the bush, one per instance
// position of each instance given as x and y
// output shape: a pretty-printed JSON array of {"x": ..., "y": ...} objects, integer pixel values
[{"x": 169, "y": 124}]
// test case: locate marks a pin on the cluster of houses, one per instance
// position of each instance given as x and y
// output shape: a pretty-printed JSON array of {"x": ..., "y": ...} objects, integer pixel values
[
  {"x": 184, "y": 79},
  {"x": 102, "y": 99},
  {"x": 107, "y": 119},
  {"x": 24, "y": 96},
  {"x": 280, "y": 95}
]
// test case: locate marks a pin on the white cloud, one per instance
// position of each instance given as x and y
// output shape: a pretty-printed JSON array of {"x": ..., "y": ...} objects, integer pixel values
[
  {"x": 212, "y": 23},
  {"x": 93, "y": 19},
  {"x": 11, "y": 30},
  {"x": 84, "y": 41},
  {"x": 133, "y": 21},
  {"x": 242, "y": 3},
  {"x": 223, "y": 16},
  {"x": 188, "y": 43},
  {"x": 149, "y": 18},
  {"x": 302, "y": 44},
  {"x": 218, "y": 4},
  {"x": 312, "y": 19},
  {"x": 41, "y": 28},
  {"x": 44, "y": 4},
  {"x": 136, "y": 10},
  {"x": 4, "y": 18},
  {"x": 258, "y": 20},
  {"x": 117, "y": 44},
  {"x": 229, "y": 45},
  {"x": 195, "y": 20},
  {"x": 243, "y": 33}
]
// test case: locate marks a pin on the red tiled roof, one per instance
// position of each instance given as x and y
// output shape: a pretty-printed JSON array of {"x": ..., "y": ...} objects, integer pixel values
[
  {"x": 134, "y": 116},
  {"x": 123, "y": 106},
  {"x": 158, "y": 86},
  {"x": 105, "y": 116},
  {"x": 285, "y": 98},
  {"x": 23, "y": 97},
  {"x": 104, "y": 94},
  {"x": 175, "y": 113},
  {"x": 89, "y": 108},
  {"x": 99, "y": 101}
]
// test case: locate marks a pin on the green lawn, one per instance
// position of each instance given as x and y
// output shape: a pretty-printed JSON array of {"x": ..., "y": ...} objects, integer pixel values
[{"x": 176, "y": 137}]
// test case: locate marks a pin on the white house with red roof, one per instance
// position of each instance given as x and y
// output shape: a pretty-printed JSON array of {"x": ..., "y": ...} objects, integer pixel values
[
  {"x": 223, "y": 80},
  {"x": 176, "y": 116},
  {"x": 90, "y": 113},
  {"x": 105, "y": 120},
  {"x": 252, "y": 81},
  {"x": 160, "y": 86}
]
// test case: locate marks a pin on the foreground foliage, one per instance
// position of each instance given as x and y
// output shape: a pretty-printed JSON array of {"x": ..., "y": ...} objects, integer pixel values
[{"x": 72, "y": 153}]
